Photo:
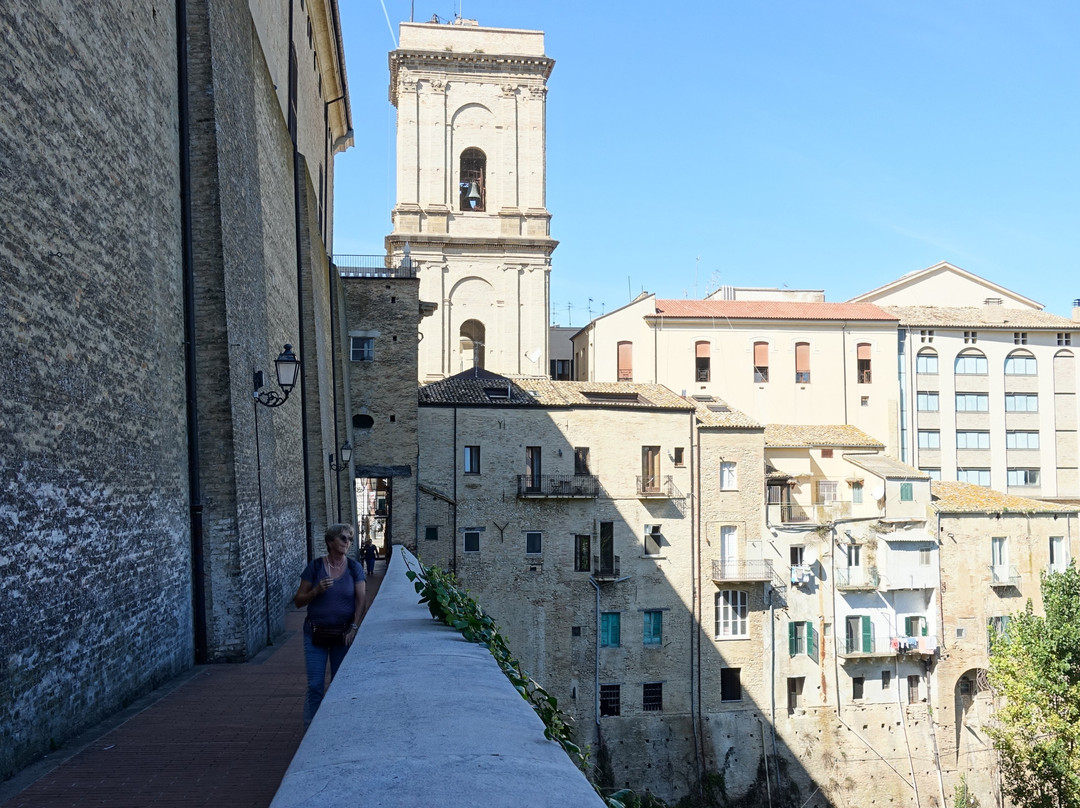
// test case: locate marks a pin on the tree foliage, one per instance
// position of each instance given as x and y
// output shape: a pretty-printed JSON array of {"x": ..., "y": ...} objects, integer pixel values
[{"x": 1035, "y": 669}]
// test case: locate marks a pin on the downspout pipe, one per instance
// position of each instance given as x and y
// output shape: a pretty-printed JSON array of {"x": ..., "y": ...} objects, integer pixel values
[{"x": 187, "y": 258}]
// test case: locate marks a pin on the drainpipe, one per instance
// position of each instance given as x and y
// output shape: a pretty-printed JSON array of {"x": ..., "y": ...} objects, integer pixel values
[
  {"x": 195, "y": 504},
  {"x": 695, "y": 594},
  {"x": 596, "y": 662}
]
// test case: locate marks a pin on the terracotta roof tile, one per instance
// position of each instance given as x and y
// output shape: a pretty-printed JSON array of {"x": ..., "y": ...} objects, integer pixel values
[
  {"x": 718, "y": 413},
  {"x": 979, "y": 317},
  {"x": 799, "y": 436},
  {"x": 956, "y": 497},
  {"x": 489, "y": 389},
  {"x": 772, "y": 310}
]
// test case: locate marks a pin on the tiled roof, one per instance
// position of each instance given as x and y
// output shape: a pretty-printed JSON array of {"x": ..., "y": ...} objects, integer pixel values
[
  {"x": 956, "y": 497},
  {"x": 886, "y": 467},
  {"x": 717, "y": 413},
  {"x": 771, "y": 310},
  {"x": 979, "y": 317},
  {"x": 479, "y": 387},
  {"x": 799, "y": 436}
]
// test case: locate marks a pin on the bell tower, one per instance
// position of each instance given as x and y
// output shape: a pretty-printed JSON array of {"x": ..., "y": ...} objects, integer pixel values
[{"x": 471, "y": 198}]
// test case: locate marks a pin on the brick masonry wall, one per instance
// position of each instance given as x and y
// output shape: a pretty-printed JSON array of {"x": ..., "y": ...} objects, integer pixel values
[{"x": 94, "y": 539}]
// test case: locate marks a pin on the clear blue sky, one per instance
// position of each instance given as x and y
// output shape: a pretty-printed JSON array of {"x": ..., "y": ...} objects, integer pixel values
[{"x": 824, "y": 144}]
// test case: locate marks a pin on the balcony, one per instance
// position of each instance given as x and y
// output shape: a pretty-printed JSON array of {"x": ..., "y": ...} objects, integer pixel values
[
  {"x": 859, "y": 648},
  {"x": 914, "y": 646},
  {"x": 558, "y": 486},
  {"x": 607, "y": 570},
  {"x": 856, "y": 578},
  {"x": 1004, "y": 576},
  {"x": 749, "y": 570},
  {"x": 819, "y": 513},
  {"x": 372, "y": 266},
  {"x": 657, "y": 488}
]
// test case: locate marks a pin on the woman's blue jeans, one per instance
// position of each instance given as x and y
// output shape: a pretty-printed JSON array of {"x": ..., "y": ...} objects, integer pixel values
[{"x": 315, "y": 659}]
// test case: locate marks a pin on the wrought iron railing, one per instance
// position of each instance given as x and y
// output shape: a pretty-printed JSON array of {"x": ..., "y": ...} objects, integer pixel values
[
  {"x": 656, "y": 486},
  {"x": 1004, "y": 575},
  {"x": 759, "y": 569},
  {"x": 559, "y": 486},
  {"x": 606, "y": 569},
  {"x": 372, "y": 266},
  {"x": 857, "y": 578}
]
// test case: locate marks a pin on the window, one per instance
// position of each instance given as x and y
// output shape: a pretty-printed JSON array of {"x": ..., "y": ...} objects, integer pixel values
[
  {"x": 761, "y": 361},
  {"x": 854, "y": 555},
  {"x": 996, "y": 628},
  {"x": 701, "y": 361},
  {"x": 1021, "y": 402},
  {"x": 533, "y": 542},
  {"x": 532, "y": 468},
  {"x": 856, "y": 493},
  {"x": 581, "y": 460},
  {"x": 929, "y": 439},
  {"x": 926, "y": 362},
  {"x": 653, "y": 540},
  {"x": 731, "y": 613},
  {"x": 794, "y": 693},
  {"x": 802, "y": 362},
  {"x": 796, "y": 554},
  {"x": 730, "y": 684},
  {"x": 471, "y": 341},
  {"x": 906, "y": 493},
  {"x": 610, "y": 627},
  {"x": 652, "y": 697},
  {"x": 1021, "y": 440},
  {"x": 935, "y": 473},
  {"x": 626, "y": 361},
  {"x": 974, "y": 476},
  {"x": 864, "y": 401},
  {"x": 582, "y": 551},
  {"x": 928, "y": 401},
  {"x": 971, "y": 364},
  {"x": 363, "y": 421},
  {"x": 472, "y": 460},
  {"x": 610, "y": 699},
  {"x": 926, "y": 335},
  {"x": 913, "y": 689},
  {"x": 1064, "y": 338},
  {"x": 1021, "y": 365},
  {"x": 857, "y": 684},
  {"x": 915, "y": 626},
  {"x": 863, "y": 351},
  {"x": 971, "y": 439},
  {"x": 471, "y": 541},
  {"x": 972, "y": 402},
  {"x": 802, "y": 638},
  {"x": 999, "y": 551},
  {"x": 925, "y": 556},
  {"x": 826, "y": 453},
  {"x": 678, "y": 456},
  {"x": 727, "y": 476},
  {"x": 971, "y": 337},
  {"x": 1019, "y": 338},
  {"x": 362, "y": 349},
  {"x": 471, "y": 180},
  {"x": 1022, "y": 477},
  {"x": 653, "y": 631},
  {"x": 650, "y": 468},
  {"x": 886, "y": 680},
  {"x": 826, "y": 492},
  {"x": 431, "y": 533},
  {"x": 858, "y": 634}
]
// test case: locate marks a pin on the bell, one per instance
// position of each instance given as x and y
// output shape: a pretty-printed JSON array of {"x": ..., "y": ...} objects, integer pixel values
[{"x": 474, "y": 192}]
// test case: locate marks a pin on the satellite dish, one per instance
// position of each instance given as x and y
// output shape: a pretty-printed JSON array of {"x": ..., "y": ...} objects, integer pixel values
[
  {"x": 533, "y": 355},
  {"x": 878, "y": 492}
]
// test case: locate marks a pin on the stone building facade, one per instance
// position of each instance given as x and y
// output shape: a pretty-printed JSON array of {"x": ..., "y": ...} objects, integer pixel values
[
  {"x": 166, "y": 189},
  {"x": 471, "y": 193}
]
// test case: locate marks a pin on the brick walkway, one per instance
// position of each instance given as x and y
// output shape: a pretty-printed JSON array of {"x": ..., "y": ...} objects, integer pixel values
[{"x": 220, "y": 735}]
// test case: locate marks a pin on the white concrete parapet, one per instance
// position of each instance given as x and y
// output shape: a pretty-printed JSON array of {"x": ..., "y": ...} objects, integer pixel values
[{"x": 419, "y": 716}]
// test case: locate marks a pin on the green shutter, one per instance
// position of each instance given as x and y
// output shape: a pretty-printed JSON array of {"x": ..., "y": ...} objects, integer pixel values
[
  {"x": 907, "y": 627},
  {"x": 925, "y": 628},
  {"x": 792, "y": 639},
  {"x": 905, "y": 492},
  {"x": 811, "y": 640},
  {"x": 867, "y": 636}
]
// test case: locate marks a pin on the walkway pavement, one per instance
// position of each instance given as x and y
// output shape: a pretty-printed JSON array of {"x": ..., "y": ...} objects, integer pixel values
[{"x": 216, "y": 735}]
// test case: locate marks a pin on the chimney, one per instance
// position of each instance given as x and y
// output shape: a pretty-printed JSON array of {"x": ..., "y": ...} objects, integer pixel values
[{"x": 1076, "y": 311}]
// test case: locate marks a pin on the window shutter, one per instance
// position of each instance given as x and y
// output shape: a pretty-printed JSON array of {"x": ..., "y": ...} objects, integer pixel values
[
  {"x": 864, "y": 350},
  {"x": 792, "y": 640},
  {"x": 802, "y": 357},
  {"x": 867, "y": 636},
  {"x": 811, "y": 640},
  {"x": 701, "y": 350},
  {"x": 907, "y": 627},
  {"x": 761, "y": 354}
]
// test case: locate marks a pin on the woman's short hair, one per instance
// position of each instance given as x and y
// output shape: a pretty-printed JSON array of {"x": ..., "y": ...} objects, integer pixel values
[{"x": 333, "y": 531}]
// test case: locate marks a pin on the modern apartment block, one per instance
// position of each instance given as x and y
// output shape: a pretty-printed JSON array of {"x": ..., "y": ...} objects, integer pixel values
[
  {"x": 988, "y": 384},
  {"x": 471, "y": 193}
]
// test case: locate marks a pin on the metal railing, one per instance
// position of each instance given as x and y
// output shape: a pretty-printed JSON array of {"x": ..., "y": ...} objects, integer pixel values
[
  {"x": 856, "y": 578},
  {"x": 659, "y": 487},
  {"x": 606, "y": 571},
  {"x": 760, "y": 569},
  {"x": 1004, "y": 575},
  {"x": 857, "y": 646},
  {"x": 923, "y": 645},
  {"x": 559, "y": 486},
  {"x": 372, "y": 266},
  {"x": 818, "y": 513}
]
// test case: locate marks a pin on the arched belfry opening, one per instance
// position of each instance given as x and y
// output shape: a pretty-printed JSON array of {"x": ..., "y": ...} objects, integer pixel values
[
  {"x": 472, "y": 344},
  {"x": 472, "y": 174}
]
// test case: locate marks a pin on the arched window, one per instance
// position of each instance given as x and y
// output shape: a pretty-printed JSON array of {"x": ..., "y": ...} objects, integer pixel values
[
  {"x": 702, "y": 361},
  {"x": 626, "y": 362},
  {"x": 1020, "y": 363},
  {"x": 472, "y": 190},
  {"x": 926, "y": 362},
  {"x": 971, "y": 363},
  {"x": 363, "y": 421},
  {"x": 472, "y": 344}
]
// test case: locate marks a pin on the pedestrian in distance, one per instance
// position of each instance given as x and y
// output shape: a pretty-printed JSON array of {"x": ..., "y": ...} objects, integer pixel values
[
  {"x": 334, "y": 589},
  {"x": 369, "y": 557}
]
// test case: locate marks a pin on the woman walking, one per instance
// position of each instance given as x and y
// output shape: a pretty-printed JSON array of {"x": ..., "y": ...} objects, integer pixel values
[{"x": 334, "y": 589}]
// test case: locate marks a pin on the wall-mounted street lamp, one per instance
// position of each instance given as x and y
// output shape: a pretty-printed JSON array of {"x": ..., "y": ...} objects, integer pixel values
[
  {"x": 346, "y": 456},
  {"x": 287, "y": 368}
]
